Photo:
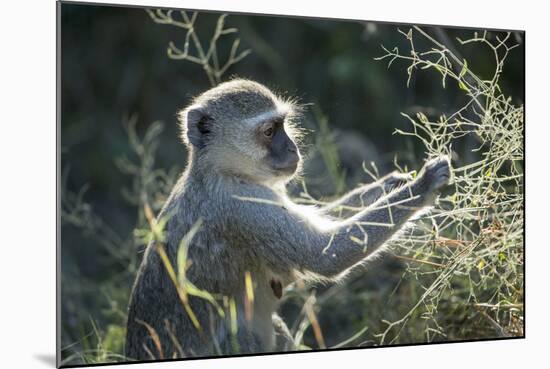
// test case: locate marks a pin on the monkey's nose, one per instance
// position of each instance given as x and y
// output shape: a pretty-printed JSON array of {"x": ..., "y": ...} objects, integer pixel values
[
  {"x": 293, "y": 162},
  {"x": 293, "y": 157}
]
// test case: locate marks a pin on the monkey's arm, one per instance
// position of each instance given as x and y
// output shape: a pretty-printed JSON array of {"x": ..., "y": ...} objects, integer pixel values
[
  {"x": 289, "y": 240},
  {"x": 366, "y": 195}
]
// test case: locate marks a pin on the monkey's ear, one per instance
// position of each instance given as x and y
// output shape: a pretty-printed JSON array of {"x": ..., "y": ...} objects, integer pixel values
[{"x": 195, "y": 125}]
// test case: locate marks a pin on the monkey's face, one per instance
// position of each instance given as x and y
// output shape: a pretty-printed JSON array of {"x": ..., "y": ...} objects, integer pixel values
[
  {"x": 259, "y": 148},
  {"x": 240, "y": 128},
  {"x": 281, "y": 156}
]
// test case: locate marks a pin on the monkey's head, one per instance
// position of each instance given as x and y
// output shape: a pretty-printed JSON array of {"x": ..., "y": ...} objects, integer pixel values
[{"x": 241, "y": 128}]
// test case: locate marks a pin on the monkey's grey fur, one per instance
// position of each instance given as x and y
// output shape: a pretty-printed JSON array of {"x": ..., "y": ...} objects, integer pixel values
[{"x": 235, "y": 184}]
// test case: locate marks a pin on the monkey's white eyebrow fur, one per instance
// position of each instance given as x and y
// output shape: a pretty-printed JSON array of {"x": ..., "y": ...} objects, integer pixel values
[{"x": 279, "y": 112}]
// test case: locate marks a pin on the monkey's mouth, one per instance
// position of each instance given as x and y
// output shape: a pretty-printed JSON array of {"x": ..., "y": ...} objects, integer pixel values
[
  {"x": 287, "y": 170},
  {"x": 288, "y": 166}
]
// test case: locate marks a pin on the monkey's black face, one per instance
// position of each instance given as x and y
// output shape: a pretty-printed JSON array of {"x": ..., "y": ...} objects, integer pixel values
[{"x": 283, "y": 155}]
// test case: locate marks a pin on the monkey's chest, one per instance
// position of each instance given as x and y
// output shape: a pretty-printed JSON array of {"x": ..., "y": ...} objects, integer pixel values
[{"x": 234, "y": 268}]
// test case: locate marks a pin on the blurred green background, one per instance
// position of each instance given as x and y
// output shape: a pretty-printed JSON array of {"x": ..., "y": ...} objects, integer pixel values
[{"x": 114, "y": 65}]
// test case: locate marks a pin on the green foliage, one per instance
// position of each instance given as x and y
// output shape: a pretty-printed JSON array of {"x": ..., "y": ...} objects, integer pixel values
[
  {"x": 474, "y": 236},
  {"x": 206, "y": 57},
  {"x": 329, "y": 152},
  {"x": 113, "y": 341}
]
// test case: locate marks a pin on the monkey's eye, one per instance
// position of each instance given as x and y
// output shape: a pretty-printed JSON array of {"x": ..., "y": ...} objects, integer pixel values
[{"x": 268, "y": 132}]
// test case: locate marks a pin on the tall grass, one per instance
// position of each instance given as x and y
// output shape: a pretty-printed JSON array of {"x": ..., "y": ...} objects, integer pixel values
[{"x": 100, "y": 308}]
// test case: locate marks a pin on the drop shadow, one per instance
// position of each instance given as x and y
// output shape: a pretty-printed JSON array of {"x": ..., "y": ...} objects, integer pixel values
[{"x": 48, "y": 359}]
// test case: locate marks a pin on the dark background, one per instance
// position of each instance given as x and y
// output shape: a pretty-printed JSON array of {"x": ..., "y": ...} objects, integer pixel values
[{"x": 114, "y": 64}]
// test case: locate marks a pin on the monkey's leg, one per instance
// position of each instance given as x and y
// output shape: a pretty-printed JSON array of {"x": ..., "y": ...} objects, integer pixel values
[
  {"x": 283, "y": 338},
  {"x": 368, "y": 194}
]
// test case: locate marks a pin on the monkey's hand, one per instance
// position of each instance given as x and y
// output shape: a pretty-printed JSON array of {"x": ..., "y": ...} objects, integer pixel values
[{"x": 435, "y": 174}]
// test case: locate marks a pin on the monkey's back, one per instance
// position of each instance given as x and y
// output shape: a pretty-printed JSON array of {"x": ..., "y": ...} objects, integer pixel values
[{"x": 216, "y": 266}]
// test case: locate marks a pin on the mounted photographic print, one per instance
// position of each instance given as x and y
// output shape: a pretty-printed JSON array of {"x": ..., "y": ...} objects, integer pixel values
[{"x": 245, "y": 184}]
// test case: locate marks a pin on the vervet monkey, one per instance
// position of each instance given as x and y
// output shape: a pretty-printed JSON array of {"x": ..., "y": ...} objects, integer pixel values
[{"x": 242, "y": 153}]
